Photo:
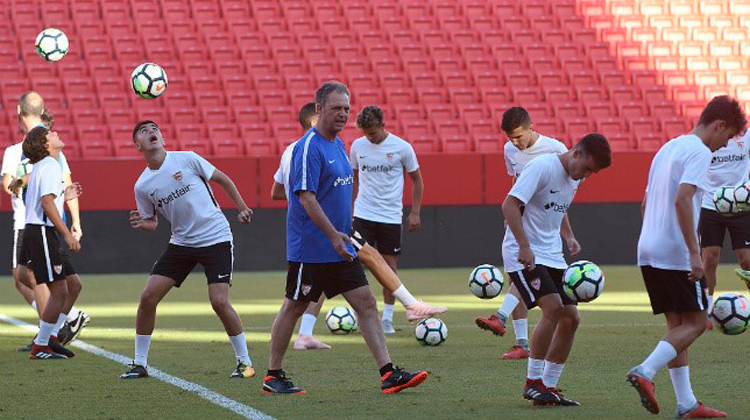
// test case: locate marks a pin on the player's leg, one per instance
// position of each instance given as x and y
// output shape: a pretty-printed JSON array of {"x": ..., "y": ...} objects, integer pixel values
[
  {"x": 557, "y": 355},
  {"x": 389, "y": 301},
  {"x": 26, "y": 292},
  {"x": 496, "y": 322},
  {"x": 305, "y": 338},
  {"x": 743, "y": 256},
  {"x": 739, "y": 230},
  {"x": 363, "y": 302},
  {"x": 22, "y": 285},
  {"x": 711, "y": 228},
  {"x": 710, "y": 256}
]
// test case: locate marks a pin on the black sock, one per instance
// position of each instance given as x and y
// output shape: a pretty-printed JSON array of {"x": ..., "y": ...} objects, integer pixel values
[
  {"x": 274, "y": 372},
  {"x": 388, "y": 367}
]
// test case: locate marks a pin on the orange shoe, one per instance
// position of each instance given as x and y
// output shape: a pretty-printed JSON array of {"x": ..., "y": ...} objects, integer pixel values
[
  {"x": 516, "y": 352},
  {"x": 492, "y": 323},
  {"x": 700, "y": 411},
  {"x": 645, "y": 389}
]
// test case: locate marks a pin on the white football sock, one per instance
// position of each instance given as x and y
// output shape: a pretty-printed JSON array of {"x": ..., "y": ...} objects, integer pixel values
[
  {"x": 73, "y": 314},
  {"x": 552, "y": 372},
  {"x": 710, "y": 304},
  {"x": 60, "y": 322},
  {"x": 307, "y": 325},
  {"x": 535, "y": 368},
  {"x": 662, "y": 354},
  {"x": 388, "y": 309},
  {"x": 404, "y": 296},
  {"x": 240, "y": 348},
  {"x": 33, "y": 305},
  {"x": 45, "y": 331},
  {"x": 509, "y": 304},
  {"x": 142, "y": 343},
  {"x": 681, "y": 383},
  {"x": 521, "y": 328}
]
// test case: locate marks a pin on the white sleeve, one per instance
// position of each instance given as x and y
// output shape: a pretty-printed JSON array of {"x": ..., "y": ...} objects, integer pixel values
[
  {"x": 10, "y": 166},
  {"x": 50, "y": 181},
  {"x": 527, "y": 184},
  {"x": 201, "y": 166},
  {"x": 143, "y": 203},
  {"x": 509, "y": 165},
  {"x": 278, "y": 177},
  {"x": 561, "y": 148},
  {"x": 409, "y": 159},
  {"x": 353, "y": 157},
  {"x": 696, "y": 169},
  {"x": 64, "y": 163}
]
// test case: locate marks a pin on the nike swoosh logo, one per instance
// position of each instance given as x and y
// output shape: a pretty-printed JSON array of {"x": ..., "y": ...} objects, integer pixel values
[
  {"x": 362, "y": 157},
  {"x": 554, "y": 191},
  {"x": 396, "y": 249},
  {"x": 152, "y": 193},
  {"x": 331, "y": 161},
  {"x": 747, "y": 242},
  {"x": 223, "y": 276},
  {"x": 159, "y": 88}
]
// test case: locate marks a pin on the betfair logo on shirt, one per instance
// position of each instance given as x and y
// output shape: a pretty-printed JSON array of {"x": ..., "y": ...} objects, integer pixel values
[
  {"x": 560, "y": 208},
  {"x": 344, "y": 181},
  {"x": 727, "y": 159},
  {"x": 378, "y": 168},
  {"x": 173, "y": 195}
]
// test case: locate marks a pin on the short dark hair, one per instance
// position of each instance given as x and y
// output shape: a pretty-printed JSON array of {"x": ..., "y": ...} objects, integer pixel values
[
  {"x": 321, "y": 95},
  {"x": 140, "y": 124},
  {"x": 306, "y": 114},
  {"x": 596, "y": 146},
  {"x": 35, "y": 144},
  {"x": 515, "y": 117},
  {"x": 370, "y": 116},
  {"x": 726, "y": 109},
  {"x": 31, "y": 104}
]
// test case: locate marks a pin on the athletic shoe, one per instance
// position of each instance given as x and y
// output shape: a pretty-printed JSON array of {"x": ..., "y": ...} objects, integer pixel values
[
  {"x": 700, "y": 411},
  {"x": 243, "y": 371},
  {"x": 65, "y": 333},
  {"x": 565, "y": 402},
  {"x": 280, "y": 385},
  {"x": 516, "y": 352},
  {"x": 44, "y": 353},
  {"x": 744, "y": 275},
  {"x": 492, "y": 323},
  {"x": 388, "y": 327},
  {"x": 420, "y": 310},
  {"x": 309, "y": 342},
  {"x": 135, "y": 372},
  {"x": 58, "y": 348},
  {"x": 77, "y": 326},
  {"x": 399, "y": 379},
  {"x": 645, "y": 388},
  {"x": 536, "y": 392}
]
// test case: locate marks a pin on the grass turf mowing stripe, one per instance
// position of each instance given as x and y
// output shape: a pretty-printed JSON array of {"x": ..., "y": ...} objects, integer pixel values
[{"x": 205, "y": 393}]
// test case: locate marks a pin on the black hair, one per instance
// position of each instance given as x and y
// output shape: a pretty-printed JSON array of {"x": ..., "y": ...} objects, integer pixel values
[
  {"x": 370, "y": 116},
  {"x": 515, "y": 117},
  {"x": 35, "y": 144},
  {"x": 596, "y": 146},
  {"x": 140, "y": 124},
  {"x": 726, "y": 109},
  {"x": 321, "y": 95}
]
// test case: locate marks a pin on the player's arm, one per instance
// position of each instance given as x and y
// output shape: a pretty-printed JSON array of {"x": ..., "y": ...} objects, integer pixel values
[
  {"x": 7, "y": 181},
  {"x": 278, "y": 192},
  {"x": 227, "y": 184},
  {"x": 138, "y": 222},
  {"x": 417, "y": 189},
  {"x": 512, "y": 213},
  {"x": 75, "y": 213},
  {"x": 355, "y": 186},
  {"x": 313, "y": 209},
  {"x": 566, "y": 231},
  {"x": 48, "y": 205},
  {"x": 684, "y": 209}
]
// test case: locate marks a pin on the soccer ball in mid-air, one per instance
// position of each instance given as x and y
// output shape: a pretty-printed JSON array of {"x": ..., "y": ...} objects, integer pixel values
[
  {"x": 742, "y": 197},
  {"x": 731, "y": 313},
  {"x": 52, "y": 44},
  {"x": 341, "y": 320},
  {"x": 583, "y": 281},
  {"x": 486, "y": 281},
  {"x": 24, "y": 168},
  {"x": 724, "y": 201},
  {"x": 431, "y": 332},
  {"x": 149, "y": 81}
]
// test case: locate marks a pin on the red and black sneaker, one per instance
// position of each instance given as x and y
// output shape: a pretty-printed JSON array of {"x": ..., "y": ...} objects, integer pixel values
[
  {"x": 399, "y": 379},
  {"x": 645, "y": 388},
  {"x": 566, "y": 402},
  {"x": 536, "y": 392},
  {"x": 58, "y": 348},
  {"x": 280, "y": 384},
  {"x": 44, "y": 353},
  {"x": 492, "y": 323}
]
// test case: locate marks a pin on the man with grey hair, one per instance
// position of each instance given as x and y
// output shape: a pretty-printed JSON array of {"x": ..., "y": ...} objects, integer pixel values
[{"x": 320, "y": 254}]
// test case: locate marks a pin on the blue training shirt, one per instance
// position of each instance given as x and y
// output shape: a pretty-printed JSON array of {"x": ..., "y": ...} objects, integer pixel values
[{"x": 322, "y": 167}]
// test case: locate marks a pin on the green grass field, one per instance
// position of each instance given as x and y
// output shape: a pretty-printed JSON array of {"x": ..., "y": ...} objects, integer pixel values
[{"x": 467, "y": 378}]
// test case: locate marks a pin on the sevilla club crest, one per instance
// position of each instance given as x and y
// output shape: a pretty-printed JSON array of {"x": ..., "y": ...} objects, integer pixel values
[{"x": 177, "y": 176}]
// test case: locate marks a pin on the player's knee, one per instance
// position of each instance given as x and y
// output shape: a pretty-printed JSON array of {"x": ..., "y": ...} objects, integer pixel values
[
  {"x": 571, "y": 320},
  {"x": 74, "y": 285},
  {"x": 149, "y": 300},
  {"x": 744, "y": 261},
  {"x": 220, "y": 304}
]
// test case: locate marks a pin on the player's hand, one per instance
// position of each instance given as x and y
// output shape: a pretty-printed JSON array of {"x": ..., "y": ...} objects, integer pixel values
[
  {"x": 573, "y": 246},
  {"x": 73, "y": 191},
  {"x": 76, "y": 230},
  {"x": 526, "y": 257},
  {"x": 73, "y": 243},
  {"x": 415, "y": 222},
  {"x": 136, "y": 220},
  {"x": 339, "y": 242},
  {"x": 245, "y": 215},
  {"x": 696, "y": 267}
]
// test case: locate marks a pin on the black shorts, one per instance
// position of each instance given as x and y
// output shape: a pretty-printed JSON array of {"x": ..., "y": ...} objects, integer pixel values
[
  {"x": 19, "y": 257},
  {"x": 541, "y": 282},
  {"x": 307, "y": 281},
  {"x": 385, "y": 237},
  {"x": 672, "y": 291},
  {"x": 712, "y": 226},
  {"x": 47, "y": 259},
  {"x": 178, "y": 261}
]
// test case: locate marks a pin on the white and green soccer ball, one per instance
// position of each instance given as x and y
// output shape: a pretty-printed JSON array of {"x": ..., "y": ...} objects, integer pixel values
[
  {"x": 731, "y": 313},
  {"x": 486, "y": 281},
  {"x": 583, "y": 281},
  {"x": 149, "y": 81},
  {"x": 52, "y": 44},
  {"x": 742, "y": 197},
  {"x": 24, "y": 168},
  {"x": 724, "y": 201},
  {"x": 341, "y": 320},
  {"x": 431, "y": 332}
]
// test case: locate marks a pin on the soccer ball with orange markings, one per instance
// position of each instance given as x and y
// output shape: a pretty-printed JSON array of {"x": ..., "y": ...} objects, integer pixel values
[
  {"x": 149, "y": 81},
  {"x": 431, "y": 332},
  {"x": 486, "y": 281},
  {"x": 731, "y": 313}
]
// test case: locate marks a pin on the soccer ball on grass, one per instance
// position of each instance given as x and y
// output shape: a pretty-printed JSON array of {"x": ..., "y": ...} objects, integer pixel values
[
  {"x": 341, "y": 320},
  {"x": 431, "y": 332}
]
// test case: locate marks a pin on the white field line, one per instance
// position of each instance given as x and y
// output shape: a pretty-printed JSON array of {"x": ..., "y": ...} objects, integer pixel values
[{"x": 205, "y": 393}]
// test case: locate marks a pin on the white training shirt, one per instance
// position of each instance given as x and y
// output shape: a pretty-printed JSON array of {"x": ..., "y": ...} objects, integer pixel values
[
  {"x": 730, "y": 165},
  {"x": 516, "y": 160},
  {"x": 179, "y": 190},
  {"x": 285, "y": 167},
  {"x": 381, "y": 177},
  {"x": 45, "y": 179},
  {"x": 683, "y": 160},
  {"x": 547, "y": 191},
  {"x": 11, "y": 159}
]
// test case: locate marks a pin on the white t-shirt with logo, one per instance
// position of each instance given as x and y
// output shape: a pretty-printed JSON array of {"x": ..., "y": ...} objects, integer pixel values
[
  {"x": 180, "y": 192},
  {"x": 381, "y": 177},
  {"x": 516, "y": 160},
  {"x": 547, "y": 191},
  {"x": 683, "y": 160},
  {"x": 729, "y": 166},
  {"x": 285, "y": 167},
  {"x": 45, "y": 179},
  {"x": 11, "y": 159}
]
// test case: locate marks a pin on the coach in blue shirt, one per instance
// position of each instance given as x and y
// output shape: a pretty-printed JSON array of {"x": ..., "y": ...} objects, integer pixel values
[{"x": 321, "y": 256}]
